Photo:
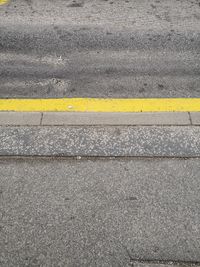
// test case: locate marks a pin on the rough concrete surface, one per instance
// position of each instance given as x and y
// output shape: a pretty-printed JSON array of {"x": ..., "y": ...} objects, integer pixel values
[
  {"x": 149, "y": 141},
  {"x": 98, "y": 212}
]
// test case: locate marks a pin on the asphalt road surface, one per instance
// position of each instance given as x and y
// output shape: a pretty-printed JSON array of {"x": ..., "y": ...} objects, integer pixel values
[{"x": 94, "y": 48}]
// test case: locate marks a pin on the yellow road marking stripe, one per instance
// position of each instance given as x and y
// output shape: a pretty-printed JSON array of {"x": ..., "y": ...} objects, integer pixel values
[
  {"x": 2, "y": 2},
  {"x": 102, "y": 105}
]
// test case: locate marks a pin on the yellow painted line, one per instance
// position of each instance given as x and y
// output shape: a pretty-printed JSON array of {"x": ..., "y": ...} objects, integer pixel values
[
  {"x": 102, "y": 105},
  {"x": 2, "y": 2}
]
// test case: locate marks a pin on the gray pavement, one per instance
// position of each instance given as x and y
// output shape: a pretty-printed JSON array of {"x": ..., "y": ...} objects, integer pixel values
[
  {"x": 99, "y": 212},
  {"x": 139, "y": 208},
  {"x": 195, "y": 117},
  {"x": 98, "y": 118},
  {"x": 123, "y": 118},
  {"x": 100, "y": 141},
  {"x": 100, "y": 48}
]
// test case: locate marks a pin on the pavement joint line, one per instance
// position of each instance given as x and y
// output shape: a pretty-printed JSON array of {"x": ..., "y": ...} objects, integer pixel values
[
  {"x": 102, "y": 105},
  {"x": 42, "y": 114},
  {"x": 163, "y": 263},
  {"x": 95, "y": 126},
  {"x": 190, "y": 118},
  {"x": 93, "y": 158}
]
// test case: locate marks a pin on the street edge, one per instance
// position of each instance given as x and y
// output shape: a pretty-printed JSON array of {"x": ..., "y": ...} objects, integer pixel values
[{"x": 8, "y": 118}]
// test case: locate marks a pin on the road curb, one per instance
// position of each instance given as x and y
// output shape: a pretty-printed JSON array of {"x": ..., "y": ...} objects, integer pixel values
[{"x": 98, "y": 118}]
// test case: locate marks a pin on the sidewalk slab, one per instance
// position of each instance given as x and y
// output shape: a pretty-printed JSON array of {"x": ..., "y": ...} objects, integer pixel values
[
  {"x": 116, "y": 118},
  {"x": 195, "y": 118},
  {"x": 99, "y": 212},
  {"x": 20, "y": 118},
  {"x": 102, "y": 141}
]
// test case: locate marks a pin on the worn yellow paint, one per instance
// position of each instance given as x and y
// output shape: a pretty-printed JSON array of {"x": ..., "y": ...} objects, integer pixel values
[
  {"x": 2, "y": 2},
  {"x": 102, "y": 105}
]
